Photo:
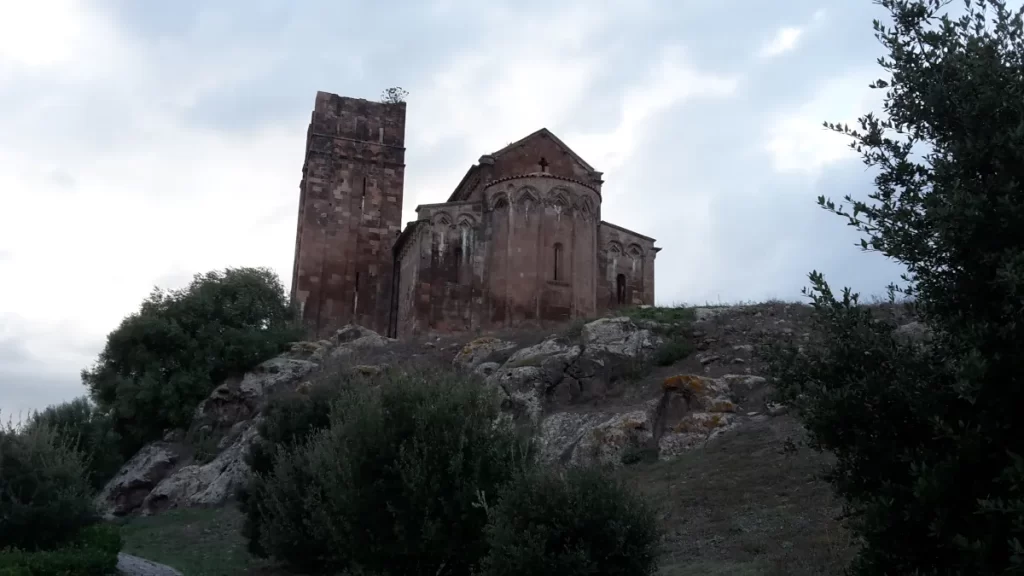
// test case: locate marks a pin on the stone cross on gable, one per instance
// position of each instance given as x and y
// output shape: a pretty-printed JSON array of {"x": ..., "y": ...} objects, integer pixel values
[{"x": 543, "y": 164}]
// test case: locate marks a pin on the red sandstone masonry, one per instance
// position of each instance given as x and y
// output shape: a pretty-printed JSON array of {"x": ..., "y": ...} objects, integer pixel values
[
  {"x": 520, "y": 240},
  {"x": 350, "y": 212}
]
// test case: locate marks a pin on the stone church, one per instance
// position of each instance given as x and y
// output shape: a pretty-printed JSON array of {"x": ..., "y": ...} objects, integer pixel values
[{"x": 519, "y": 241}]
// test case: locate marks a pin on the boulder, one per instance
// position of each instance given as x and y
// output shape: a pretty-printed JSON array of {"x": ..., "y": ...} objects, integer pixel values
[
  {"x": 692, "y": 431},
  {"x": 540, "y": 371},
  {"x": 128, "y": 565},
  {"x": 128, "y": 489},
  {"x": 237, "y": 400},
  {"x": 913, "y": 333},
  {"x": 603, "y": 438},
  {"x": 486, "y": 369},
  {"x": 354, "y": 337},
  {"x": 207, "y": 484},
  {"x": 481, "y": 350}
]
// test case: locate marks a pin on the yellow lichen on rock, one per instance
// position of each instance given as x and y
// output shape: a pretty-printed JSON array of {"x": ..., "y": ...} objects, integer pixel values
[
  {"x": 721, "y": 405},
  {"x": 684, "y": 382}
]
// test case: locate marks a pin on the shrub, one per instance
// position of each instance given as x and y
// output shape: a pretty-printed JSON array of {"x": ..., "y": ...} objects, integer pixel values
[
  {"x": 288, "y": 420},
  {"x": 164, "y": 359},
  {"x": 579, "y": 522},
  {"x": 45, "y": 497},
  {"x": 93, "y": 552},
  {"x": 672, "y": 350},
  {"x": 392, "y": 486},
  {"x": 79, "y": 423},
  {"x": 928, "y": 438}
]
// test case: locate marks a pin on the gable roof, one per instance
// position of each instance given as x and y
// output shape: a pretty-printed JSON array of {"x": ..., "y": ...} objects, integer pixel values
[{"x": 558, "y": 142}]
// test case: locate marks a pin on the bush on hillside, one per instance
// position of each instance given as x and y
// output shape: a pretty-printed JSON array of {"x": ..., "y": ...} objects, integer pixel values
[
  {"x": 45, "y": 496},
  {"x": 167, "y": 357},
  {"x": 287, "y": 422},
  {"x": 573, "y": 523},
  {"x": 81, "y": 424},
  {"x": 91, "y": 552},
  {"x": 393, "y": 485},
  {"x": 928, "y": 439}
]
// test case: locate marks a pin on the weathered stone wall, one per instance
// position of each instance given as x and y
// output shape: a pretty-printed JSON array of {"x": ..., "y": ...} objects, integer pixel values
[
  {"x": 350, "y": 211},
  {"x": 446, "y": 286},
  {"x": 531, "y": 221},
  {"x": 625, "y": 268}
]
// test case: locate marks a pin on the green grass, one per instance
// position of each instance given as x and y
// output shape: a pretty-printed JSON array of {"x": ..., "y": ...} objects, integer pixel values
[
  {"x": 660, "y": 314},
  {"x": 198, "y": 542}
]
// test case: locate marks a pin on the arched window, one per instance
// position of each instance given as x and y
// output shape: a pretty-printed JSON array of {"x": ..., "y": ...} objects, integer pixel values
[
  {"x": 620, "y": 289},
  {"x": 558, "y": 272}
]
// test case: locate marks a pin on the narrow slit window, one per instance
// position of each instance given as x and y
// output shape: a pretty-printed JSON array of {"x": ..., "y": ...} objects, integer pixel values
[
  {"x": 620, "y": 289},
  {"x": 558, "y": 263},
  {"x": 355, "y": 297}
]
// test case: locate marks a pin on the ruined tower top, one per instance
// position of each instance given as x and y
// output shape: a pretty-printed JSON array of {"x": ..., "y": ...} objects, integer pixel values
[
  {"x": 350, "y": 212},
  {"x": 358, "y": 119}
]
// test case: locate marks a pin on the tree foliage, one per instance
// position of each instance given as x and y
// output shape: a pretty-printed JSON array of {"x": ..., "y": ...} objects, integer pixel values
[
  {"x": 164, "y": 359},
  {"x": 394, "y": 95},
  {"x": 928, "y": 438},
  {"x": 45, "y": 497},
  {"x": 574, "y": 523},
  {"x": 393, "y": 484},
  {"x": 80, "y": 424}
]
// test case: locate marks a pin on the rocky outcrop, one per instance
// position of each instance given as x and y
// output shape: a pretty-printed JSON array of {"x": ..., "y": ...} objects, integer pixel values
[
  {"x": 160, "y": 477},
  {"x": 126, "y": 491},
  {"x": 589, "y": 397},
  {"x": 128, "y": 565},
  {"x": 353, "y": 337},
  {"x": 207, "y": 484},
  {"x": 914, "y": 334},
  {"x": 691, "y": 410},
  {"x": 237, "y": 400},
  {"x": 483, "y": 350}
]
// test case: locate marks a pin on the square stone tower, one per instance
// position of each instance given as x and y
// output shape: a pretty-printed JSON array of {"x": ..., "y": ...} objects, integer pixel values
[{"x": 350, "y": 213}]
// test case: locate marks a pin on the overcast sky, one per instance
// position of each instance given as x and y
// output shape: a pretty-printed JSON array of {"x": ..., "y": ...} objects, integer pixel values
[{"x": 143, "y": 142}]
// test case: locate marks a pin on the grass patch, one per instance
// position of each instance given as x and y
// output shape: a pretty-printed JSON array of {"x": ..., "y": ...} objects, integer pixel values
[
  {"x": 745, "y": 505},
  {"x": 673, "y": 350},
  {"x": 198, "y": 542},
  {"x": 660, "y": 314}
]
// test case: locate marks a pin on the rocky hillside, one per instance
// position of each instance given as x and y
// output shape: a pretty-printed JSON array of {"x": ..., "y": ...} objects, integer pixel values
[{"x": 650, "y": 385}]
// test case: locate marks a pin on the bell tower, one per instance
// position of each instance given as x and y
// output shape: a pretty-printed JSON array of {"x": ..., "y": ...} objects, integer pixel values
[{"x": 350, "y": 213}]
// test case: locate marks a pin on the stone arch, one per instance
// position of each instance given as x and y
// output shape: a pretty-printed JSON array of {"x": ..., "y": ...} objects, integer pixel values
[
  {"x": 466, "y": 221},
  {"x": 585, "y": 207},
  {"x": 614, "y": 248},
  {"x": 441, "y": 219},
  {"x": 498, "y": 201},
  {"x": 635, "y": 251},
  {"x": 527, "y": 194},
  {"x": 560, "y": 195}
]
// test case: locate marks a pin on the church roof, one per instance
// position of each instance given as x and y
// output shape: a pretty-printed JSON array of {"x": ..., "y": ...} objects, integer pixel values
[
  {"x": 555, "y": 139},
  {"x": 542, "y": 133}
]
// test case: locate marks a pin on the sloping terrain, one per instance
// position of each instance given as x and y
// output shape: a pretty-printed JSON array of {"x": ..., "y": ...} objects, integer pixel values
[{"x": 697, "y": 435}]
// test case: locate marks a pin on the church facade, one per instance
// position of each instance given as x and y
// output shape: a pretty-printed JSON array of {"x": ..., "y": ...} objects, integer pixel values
[{"x": 520, "y": 240}]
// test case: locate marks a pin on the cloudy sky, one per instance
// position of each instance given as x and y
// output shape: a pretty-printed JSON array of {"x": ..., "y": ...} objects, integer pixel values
[{"x": 143, "y": 142}]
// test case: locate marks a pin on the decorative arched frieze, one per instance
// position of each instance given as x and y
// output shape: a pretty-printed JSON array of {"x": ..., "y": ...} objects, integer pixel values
[
  {"x": 498, "y": 201},
  {"x": 441, "y": 218},
  {"x": 466, "y": 221},
  {"x": 614, "y": 248},
  {"x": 559, "y": 196},
  {"x": 585, "y": 207},
  {"x": 526, "y": 194},
  {"x": 635, "y": 251}
]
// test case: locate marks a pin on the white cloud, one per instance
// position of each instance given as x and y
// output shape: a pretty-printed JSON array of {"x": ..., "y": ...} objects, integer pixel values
[
  {"x": 785, "y": 40},
  {"x": 96, "y": 212},
  {"x": 671, "y": 80},
  {"x": 797, "y": 141}
]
